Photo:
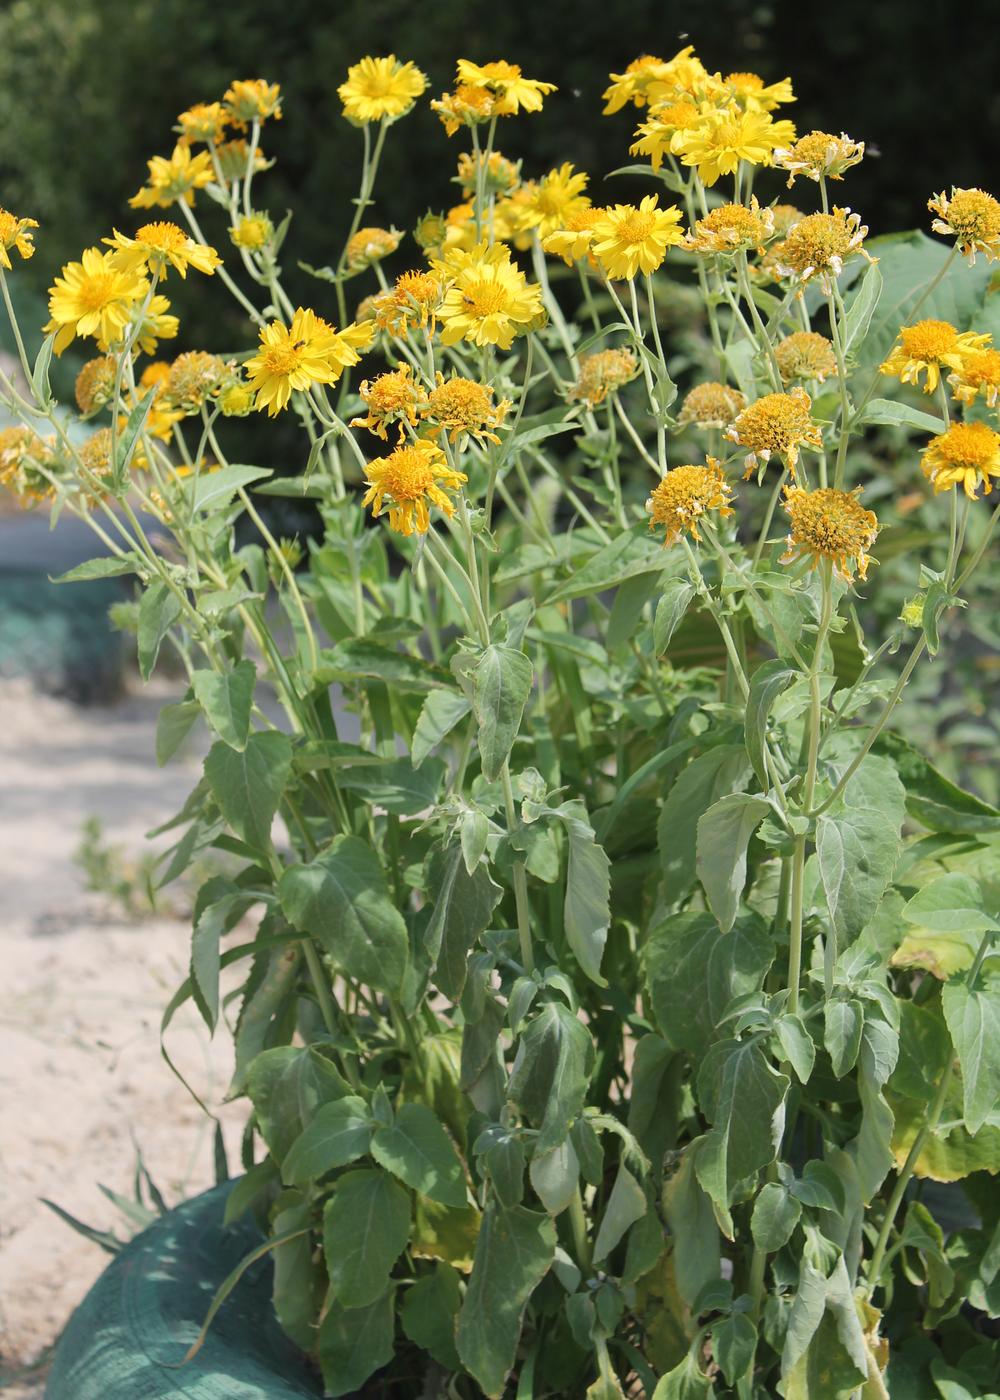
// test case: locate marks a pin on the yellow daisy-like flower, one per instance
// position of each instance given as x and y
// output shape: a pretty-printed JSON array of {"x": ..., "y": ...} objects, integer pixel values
[
  {"x": 15, "y": 235},
  {"x": 666, "y": 130},
  {"x": 380, "y": 89},
  {"x": 469, "y": 105},
  {"x": 159, "y": 247},
  {"x": 95, "y": 384},
  {"x": 394, "y": 397},
  {"x": 574, "y": 240},
  {"x": 174, "y": 178},
  {"x": 648, "y": 80},
  {"x": 778, "y": 423},
  {"x": 233, "y": 158},
  {"x": 830, "y": 524},
  {"x": 205, "y": 121},
  {"x": 514, "y": 92},
  {"x": 967, "y": 455},
  {"x": 928, "y": 347},
  {"x": 805, "y": 355},
  {"x": 732, "y": 228},
  {"x": 413, "y": 301},
  {"x": 252, "y": 232},
  {"x": 499, "y": 175},
  {"x": 465, "y": 408},
  {"x": 972, "y": 218},
  {"x": 685, "y": 496},
  {"x": 979, "y": 374},
  {"x": 603, "y": 373},
  {"x": 819, "y": 244},
  {"x": 711, "y": 405},
  {"x": 751, "y": 92},
  {"x": 411, "y": 480},
  {"x": 717, "y": 146},
  {"x": 557, "y": 197},
  {"x": 155, "y": 324},
  {"x": 489, "y": 300},
  {"x": 155, "y": 373},
  {"x": 27, "y": 462},
  {"x": 192, "y": 380},
  {"x": 294, "y": 357},
  {"x": 819, "y": 156},
  {"x": 95, "y": 298},
  {"x": 371, "y": 245},
  {"x": 252, "y": 99},
  {"x": 628, "y": 240}
]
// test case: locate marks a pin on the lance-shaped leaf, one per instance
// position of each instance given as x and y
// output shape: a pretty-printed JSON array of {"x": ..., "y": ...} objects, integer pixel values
[
  {"x": 342, "y": 898},
  {"x": 441, "y": 711},
  {"x": 857, "y": 844},
  {"x": 743, "y": 1097},
  {"x": 675, "y": 598},
  {"x": 463, "y": 907},
  {"x": 766, "y": 684},
  {"x": 843, "y": 1022},
  {"x": 366, "y": 1225},
  {"x": 248, "y": 785},
  {"x": 159, "y": 609},
  {"x": 711, "y": 775},
  {"x": 724, "y": 834},
  {"x": 501, "y": 686},
  {"x": 548, "y": 1082},
  {"x": 227, "y": 700},
  {"x": 587, "y": 909},
  {"x": 416, "y": 1148},
  {"x": 626, "y": 1204},
  {"x": 514, "y": 1252},
  {"x": 973, "y": 1018}
]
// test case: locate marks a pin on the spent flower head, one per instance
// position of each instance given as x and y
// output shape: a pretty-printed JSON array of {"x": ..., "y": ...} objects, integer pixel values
[
  {"x": 776, "y": 423},
  {"x": 465, "y": 408},
  {"x": 732, "y": 228},
  {"x": 972, "y": 218},
  {"x": 805, "y": 355},
  {"x": 685, "y": 496},
  {"x": 819, "y": 155},
  {"x": 830, "y": 524},
  {"x": 393, "y": 397},
  {"x": 15, "y": 237},
  {"x": 711, "y": 405},
  {"x": 602, "y": 373}
]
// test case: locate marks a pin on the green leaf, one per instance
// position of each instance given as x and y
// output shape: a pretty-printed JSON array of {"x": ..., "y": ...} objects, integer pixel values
[
  {"x": 288, "y": 1085},
  {"x": 416, "y": 1148},
  {"x": 900, "y": 415},
  {"x": 504, "y": 1160},
  {"x": 501, "y": 686},
  {"x": 207, "y": 490},
  {"x": 766, "y": 684},
  {"x": 796, "y": 1045},
  {"x": 463, "y": 908},
  {"x": 248, "y": 785},
  {"x": 555, "y": 1176},
  {"x": 340, "y": 1133},
  {"x": 626, "y": 1204},
  {"x": 688, "y": 1210},
  {"x": 743, "y": 1097},
  {"x": 734, "y": 1342},
  {"x": 366, "y": 1224},
  {"x": 429, "y": 1312},
  {"x": 693, "y": 972},
  {"x": 551, "y": 1071},
  {"x": 724, "y": 833},
  {"x": 159, "y": 609},
  {"x": 775, "y": 1215},
  {"x": 342, "y": 899},
  {"x": 587, "y": 909},
  {"x": 212, "y": 920},
  {"x": 40, "y": 369},
  {"x": 362, "y": 659},
  {"x": 973, "y": 1019},
  {"x": 173, "y": 724},
  {"x": 110, "y": 566},
  {"x": 395, "y": 784},
  {"x": 843, "y": 1022},
  {"x": 952, "y": 903},
  {"x": 931, "y": 798},
  {"x": 354, "y": 1343},
  {"x": 675, "y": 598},
  {"x": 514, "y": 1252},
  {"x": 128, "y": 440},
  {"x": 631, "y": 553},
  {"x": 722, "y": 770},
  {"x": 441, "y": 711},
  {"x": 862, "y": 307},
  {"x": 686, "y": 1381},
  {"x": 936, "y": 599},
  {"x": 298, "y": 1285},
  {"x": 857, "y": 845},
  {"x": 227, "y": 701}
]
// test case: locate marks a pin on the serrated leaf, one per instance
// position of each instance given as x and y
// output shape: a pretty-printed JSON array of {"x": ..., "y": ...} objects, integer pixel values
[
  {"x": 366, "y": 1224},
  {"x": 159, "y": 609},
  {"x": 440, "y": 713},
  {"x": 248, "y": 785},
  {"x": 463, "y": 907},
  {"x": 354, "y": 1343},
  {"x": 339, "y": 1133},
  {"x": 743, "y": 1098},
  {"x": 858, "y": 844},
  {"x": 416, "y": 1148},
  {"x": 227, "y": 701},
  {"x": 710, "y": 776},
  {"x": 843, "y": 1022},
  {"x": 952, "y": 903},
  {"x": 675, "y": 599}
]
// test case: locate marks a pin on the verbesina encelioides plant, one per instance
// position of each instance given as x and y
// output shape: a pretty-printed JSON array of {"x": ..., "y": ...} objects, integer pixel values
[{"x": 611, "y": 1006}]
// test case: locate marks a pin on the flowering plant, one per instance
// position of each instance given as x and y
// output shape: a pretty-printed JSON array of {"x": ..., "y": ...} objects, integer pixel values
[{"x": 623, "y": 979}]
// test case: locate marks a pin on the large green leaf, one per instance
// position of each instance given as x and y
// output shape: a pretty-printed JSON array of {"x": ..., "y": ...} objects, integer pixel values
[
  {"x": 159, "y": 609},
  {"x": 766, "y": 684},
  {"x": 463, "y": 907},
  {"x": 248, "y": 785},
  {"x": 514, "y": 1252},
  {"x": 632, "y": 553},
  {"x": 931, "y": 798},
  {"x": 952, "y": 903},
  {"x": 354, "y": 1343},
  {"x": 441, "y": 711},
  {"x": 723, "y": 769},
  {"x": 587, "y": 909},
  {"x": 366, "y": 1224},
  {"x": 429, "y": 1313},
  {"x": 227, "y": 700},
  {"x": 340, "y": 1133},
  {"x": 626, "y": 1204},
  {"x": 973, "y": 1017},
  {"x": 501, "y": 686},
  {"x": 696, "y": 1248},
  {"x": 416, "y": 1148},
  {"x": 743, "y": 1097},
  {"x": 548, "y": 1082},
  {"x": 858, "y": 844},
  {"x": 342, "y": 899},
  {"x": 724, "y": 833},
  {"x": 288, "y": 1086}
]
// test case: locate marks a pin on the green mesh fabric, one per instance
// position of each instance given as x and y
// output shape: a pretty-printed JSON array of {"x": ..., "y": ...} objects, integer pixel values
[{"x": 134, "y": 1326}]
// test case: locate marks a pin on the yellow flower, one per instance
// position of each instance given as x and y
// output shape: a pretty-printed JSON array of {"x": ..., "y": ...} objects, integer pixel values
[
  {"x": 830, "y": 524},
  {"x": 648, "y": 80},
  {"x": 500, "y": 175},
  {"x": 818, "y": 245},
  {"x": 154, "y": 325},
  {"x": 371, "y": 245},
  {"x": 205, "y": 121},
  {"x": 751, "y": 92},
  {"x": 627, "y": 240},
  {"x": 193, "y": 379},
  {"x": 805, "y": 355},
  {"x": 159, "y": 247},
  {"x": 574, "y": 240},
  {"x": 711, "y": 405},
  {"x": 967, "y": 454},
  {"x": 685, "y": 495},
  {"x": 469, "y": 105},
  {"x": 665, "y": 131},
  {"x": 979, "y": 374},
  {"x": 252, "y": 231},
  {"x": 413, "y": 300},
  {"x": 155, "y": 373},
  {"x": 819, "y": 156},
  {"x": 775, "y": 423},
  {"x": 15, "y": 233},
  {"x": 732, "y": 228},
  {"x": 464, "y": 407},
  {"x": 174, "y": 178},
  {"x": 95, "y": 298},
  {"x": 27, "y": 463},
  {"x": 514, "y": 92},
  {"x": 294, "y": 357},
  {"x": 252, "y": 99},
  {"x": 726, "y": 137},
  {"x": 603, "y": 373},
  {"x": 489, "y": 300},
  {"x": 378, "y": 89},
  {"x": 785, "y": 216},
  {"x": 95, "y": 384},
  {"x": 234, "y": 156},
  {"x": 972, "y": 218},
  {"x": 411, "y": 479},
  {"x": 557, "y": 197},
  {"x": 430, "y": 232},
  {"x": 390, "y": 398},
  {"x": 927, "y": 348}
]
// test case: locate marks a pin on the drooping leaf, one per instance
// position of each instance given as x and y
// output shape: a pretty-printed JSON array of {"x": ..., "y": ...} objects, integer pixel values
[
  {"x": 429, "y": 1313},
  {"x": 354, "y": 1343},
  {"x": 973, "y": 1018},
  {"x": 931, "y": 798},
  {"x": 625, "y": 1205},
  {"x": 551, "y": 1071},
  {"x": 775, "y": 1215},
  {"x": 441, "y": 711},
  {"x": 724, "y": 833},
  {"x": 723, "y": 769},
  {"x": 227, "y": 700},
  {"x": 555, "y": 1176},
  {"x": 766, "y": 684},
  {"x": 675, "y": 598},
  {"x": 587, "y": 909},
  {"x": 843, "y": 1022},
  {"x": 159, "y": 609},
  {"x": 743, "y": 1097},
  {"x": 952, "y": 903},
  {"x": 173, "y": 724},
  {"x": 366, "y": 1224},
  {"x": 463, "y": 907}
]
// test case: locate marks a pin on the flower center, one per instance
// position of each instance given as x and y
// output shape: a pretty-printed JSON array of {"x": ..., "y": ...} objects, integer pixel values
[
  {"x": 486, "y": 298},
  {"x": 167, "y": 237},
  {"x": 8, "y": 228},
  {"x": 636, "y": 227},
  {"x": 282, "y": 360},
  {"x": 974, "y": 214},
  {"x": 968, "y": 444},
  {"x": 98, "y": 291},
  {"x": 408, "y": 476},
  {"x": 928, "y": 340}
]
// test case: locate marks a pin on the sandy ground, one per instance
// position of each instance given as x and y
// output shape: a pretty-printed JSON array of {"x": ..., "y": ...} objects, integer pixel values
[{"x": 82, "y": 1083}]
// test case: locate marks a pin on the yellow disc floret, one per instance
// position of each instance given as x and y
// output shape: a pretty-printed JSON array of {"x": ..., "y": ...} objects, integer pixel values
[
  {"x": 830, "y": 524},
  {"x": 927, "y": 347},
  {"x": 711, "y": 405},
  {"x": 603, "y": 373},
  {"x": 819, "y": 156},
  {"x": 394, "y": 397},
  {"x": 307, "y": 352},
  {"x": 489, "y": 300},
  {"x": 464, "y": 407},
  {"x": 819, "y": 244},
  {"x": 778, "y": 423},
  {"x": 370, "y": 245},
  {"x": 972, "y": 218},
  {"x": 160, "y": 246},
  {"x": 411, "y": 480},
  {"x": 685, "y": 496},
  {"x": 95, "y": 384},
  {"x": 805, "y": 355},
  {"x": 732, "y": 228},
  {"x": 979, "y": 374}
]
